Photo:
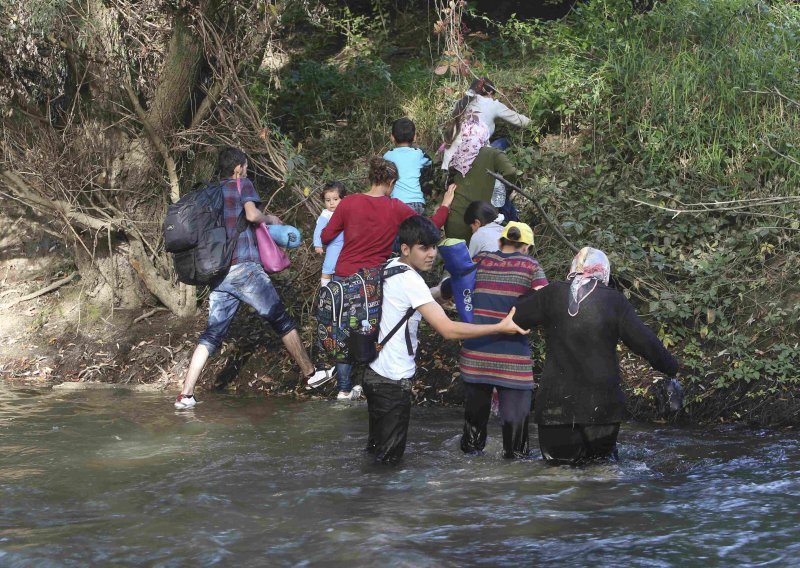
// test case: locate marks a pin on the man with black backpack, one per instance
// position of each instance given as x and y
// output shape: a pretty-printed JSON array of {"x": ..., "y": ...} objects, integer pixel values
[
  {"x": 245, "y": 281},
  {"x": 406, "y": 300}
]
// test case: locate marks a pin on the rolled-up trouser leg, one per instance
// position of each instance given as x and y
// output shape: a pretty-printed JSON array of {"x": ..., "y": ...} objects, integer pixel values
[
  {"x": 573, "y": 444},
  {"x": 515, "y": 408},
  {"x": 477, "y": 405},
  {"x": 389, "y": 407}
]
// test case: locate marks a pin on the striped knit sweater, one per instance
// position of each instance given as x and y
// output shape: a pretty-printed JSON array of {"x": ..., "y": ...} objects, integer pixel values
[{"x": 500, "y": 359}]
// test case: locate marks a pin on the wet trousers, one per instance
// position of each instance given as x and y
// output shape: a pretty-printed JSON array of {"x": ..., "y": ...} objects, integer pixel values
[
  {"x": 515, "y": 407},
  {"x": 574, "y": 444},
  {"x": 389, "y": 407}
]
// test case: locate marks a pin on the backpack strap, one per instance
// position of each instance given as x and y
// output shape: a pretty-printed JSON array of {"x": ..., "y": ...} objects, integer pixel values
[
  {"x": 388, "y": 273},
  {"x": 241, "y": 222},
  {"x": 403, "y": 320}
]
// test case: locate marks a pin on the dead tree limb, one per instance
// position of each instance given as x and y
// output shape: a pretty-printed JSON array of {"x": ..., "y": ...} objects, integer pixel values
[
  {"x": 54, "y": 286},
  {"x": 33, "y": 199},
  {"x": 784, "y": 156},
  {"x": 148, "y": 314},
  {"x": 181, "y": 304},
  {"x": 539, "y": 208}
]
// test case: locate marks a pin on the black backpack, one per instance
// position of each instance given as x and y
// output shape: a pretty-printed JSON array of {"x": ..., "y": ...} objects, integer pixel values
[{"x": 194, "y": 232}]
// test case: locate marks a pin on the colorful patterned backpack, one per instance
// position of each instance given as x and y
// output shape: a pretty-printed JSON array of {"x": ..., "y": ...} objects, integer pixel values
[{"x": 352, "y": 304}]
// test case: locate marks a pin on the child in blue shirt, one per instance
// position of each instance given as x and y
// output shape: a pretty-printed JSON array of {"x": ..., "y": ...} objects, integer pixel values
[
  {"x": 409, "y": 161},
  {"x": 332, "y": 194}
]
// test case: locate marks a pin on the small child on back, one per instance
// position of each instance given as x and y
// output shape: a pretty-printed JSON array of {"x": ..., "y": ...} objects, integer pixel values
[
  {"x": 410, "y": 162},
  {"x": 332, "y": 194}
]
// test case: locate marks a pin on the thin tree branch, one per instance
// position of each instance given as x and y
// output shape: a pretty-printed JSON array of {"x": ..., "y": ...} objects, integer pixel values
[
  {"x": 148, "y": 314},
  {"x": 784, "y": 156},
  {"x": 31, "y": 198},
  {"x": 539, "y": 208},
  {"x": 169, "y": 163},
  {"x": 212, "y": 96}
]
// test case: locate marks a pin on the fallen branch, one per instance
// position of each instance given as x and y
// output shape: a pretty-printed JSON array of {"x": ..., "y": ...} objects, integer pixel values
[
  {"x": 35, "y": 200},
  {"x": 150, "y": 313},
  {"x": 722, "y": 207},
  {"x": 775, "y": 91},
  {"x": 54, "y": 286},
  {"x": 539, "y": 208},
  {"x": 784, "y": 156}
]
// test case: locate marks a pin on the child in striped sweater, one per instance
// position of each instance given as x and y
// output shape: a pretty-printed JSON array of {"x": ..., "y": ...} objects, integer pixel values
[{"x": 498, "y": 361}]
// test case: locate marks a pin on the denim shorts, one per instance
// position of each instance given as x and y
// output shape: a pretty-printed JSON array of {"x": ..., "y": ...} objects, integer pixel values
[
  {"x": 419, "y": 208},
  {"x": 245, "y": 282}
]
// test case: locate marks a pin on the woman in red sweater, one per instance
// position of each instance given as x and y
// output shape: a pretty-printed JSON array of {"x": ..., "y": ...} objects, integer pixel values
[{"x": 370, "y": 222}]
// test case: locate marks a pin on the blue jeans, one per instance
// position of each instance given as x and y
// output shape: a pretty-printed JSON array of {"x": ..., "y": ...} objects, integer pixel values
[
  {"x": 343, "y": 380},
  {"x": 246, "y": 282}
]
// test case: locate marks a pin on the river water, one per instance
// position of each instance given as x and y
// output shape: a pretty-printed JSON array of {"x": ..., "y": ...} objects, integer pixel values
[{"x": 111, "y": 477}]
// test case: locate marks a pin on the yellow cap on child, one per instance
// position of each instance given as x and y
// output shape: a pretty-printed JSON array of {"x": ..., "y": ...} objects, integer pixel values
[{"x": 525, "y": 232}]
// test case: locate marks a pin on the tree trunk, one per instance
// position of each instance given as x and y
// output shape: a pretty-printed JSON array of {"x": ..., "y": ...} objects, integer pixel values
[{"x": 180, "y": 300}]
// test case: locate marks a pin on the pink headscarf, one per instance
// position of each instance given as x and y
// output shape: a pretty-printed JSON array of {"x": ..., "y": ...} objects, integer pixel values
[
  {"x": 474, "y": 136},
  {"x": 589, "y": 267}
]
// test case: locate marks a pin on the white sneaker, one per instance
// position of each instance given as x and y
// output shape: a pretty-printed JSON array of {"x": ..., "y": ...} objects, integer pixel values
[
  {"x": 354, "y": 394},
  {"x": 320, "y": 377},
  {"x": 185, "y": 401}
]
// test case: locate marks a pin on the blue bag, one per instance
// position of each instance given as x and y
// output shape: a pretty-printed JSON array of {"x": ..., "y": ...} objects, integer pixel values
[
  {"x": 458, "y": 263},
  {"x": 285, "y": 236}
]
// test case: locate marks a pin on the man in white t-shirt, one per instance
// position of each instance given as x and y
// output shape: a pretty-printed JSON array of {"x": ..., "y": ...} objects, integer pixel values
[{"x": 387, "y": 380}]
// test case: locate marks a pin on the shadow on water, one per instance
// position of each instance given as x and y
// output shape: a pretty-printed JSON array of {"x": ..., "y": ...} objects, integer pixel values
[{"x": 112, "y": 477}]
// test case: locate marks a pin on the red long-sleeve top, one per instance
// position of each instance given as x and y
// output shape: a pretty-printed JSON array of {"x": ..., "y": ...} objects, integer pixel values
[{"x": 370, "y": 225}]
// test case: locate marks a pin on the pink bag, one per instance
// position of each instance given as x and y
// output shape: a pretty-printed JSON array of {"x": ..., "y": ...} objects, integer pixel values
[{"x": 273, "y": 258}]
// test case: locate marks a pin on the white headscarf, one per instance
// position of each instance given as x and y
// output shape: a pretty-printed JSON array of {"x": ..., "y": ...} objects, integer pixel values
[{"x": 589, "y": 267}]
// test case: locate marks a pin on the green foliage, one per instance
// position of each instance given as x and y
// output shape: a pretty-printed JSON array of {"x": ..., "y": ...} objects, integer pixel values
[
  {"x": 693, "y": 109},
  {"x": 314, "y": 93}
]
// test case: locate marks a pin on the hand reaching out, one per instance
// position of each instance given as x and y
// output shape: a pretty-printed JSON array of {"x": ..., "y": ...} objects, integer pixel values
[{"x": 449, "y": 195}]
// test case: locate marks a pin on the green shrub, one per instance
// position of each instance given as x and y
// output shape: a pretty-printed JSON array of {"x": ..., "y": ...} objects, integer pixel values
[{"x": 680, "y": 120}]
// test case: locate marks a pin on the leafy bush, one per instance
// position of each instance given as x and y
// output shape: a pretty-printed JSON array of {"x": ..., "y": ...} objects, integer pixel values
[
  {"x": 684, "y": 168},
  {"x": 313, "y": 93}
]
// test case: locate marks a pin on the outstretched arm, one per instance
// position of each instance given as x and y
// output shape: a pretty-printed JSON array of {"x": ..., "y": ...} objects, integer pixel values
[
  {"x": 642, "y": 341},
  {"x": 443, "y": 211},
  {"x": 255, "y": 216},
  {"x": 504, "y": 113},
  {"x": 449, "y": 329}
]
